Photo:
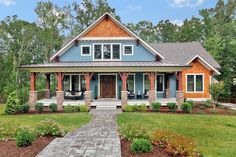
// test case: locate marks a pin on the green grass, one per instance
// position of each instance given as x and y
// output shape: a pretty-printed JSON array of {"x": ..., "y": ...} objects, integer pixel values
[
  {"x": 69, "y": 121},
  {"x": 215, "y": 135}
]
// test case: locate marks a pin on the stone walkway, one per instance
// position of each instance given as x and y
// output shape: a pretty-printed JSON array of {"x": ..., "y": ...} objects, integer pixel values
[{"x": 98, "y": 138}]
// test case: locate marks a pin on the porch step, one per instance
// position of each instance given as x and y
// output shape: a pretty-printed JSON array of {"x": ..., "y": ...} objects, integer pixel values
[{"x": 106, "y": 107}]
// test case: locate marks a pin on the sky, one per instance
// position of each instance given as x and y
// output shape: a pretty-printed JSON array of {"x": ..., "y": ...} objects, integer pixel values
[{"x": 131, "y": 11}]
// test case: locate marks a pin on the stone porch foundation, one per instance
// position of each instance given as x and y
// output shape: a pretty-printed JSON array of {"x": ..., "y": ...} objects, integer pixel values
[
  {"x": 179, "y": 98},
  {"x": 124, "y": 99},
  {"x": 88, "y": 97},
  {"x": 60, "y": 100},
  {"x": 33, "y": 97}
]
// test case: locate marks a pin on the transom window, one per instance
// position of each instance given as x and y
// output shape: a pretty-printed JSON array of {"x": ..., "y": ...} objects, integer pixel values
[
  {"x": 195, "y": 82},
  {"x": 107, "y": 52},
  {"x": 85, "y": 50},
  {"x": 160, "y": 83},
  {"x": 128, "y": 50}
]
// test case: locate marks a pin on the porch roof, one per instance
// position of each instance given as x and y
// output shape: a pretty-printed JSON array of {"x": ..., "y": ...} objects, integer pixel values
[{"x": 104, "y": 66}]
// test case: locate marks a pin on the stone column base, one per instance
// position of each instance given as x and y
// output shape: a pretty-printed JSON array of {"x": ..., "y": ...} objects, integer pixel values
[
  {"x": 124, "y": 99},
  {"x": 33, "y": 97},
  {"x": 180, "y": 98},
  {"x": 60, "y": 100},
  {"x": 47, "y": 94},
  {"x": 88, "y": 97},
  {"x": 168, "y": 93},
  {"x": 151, "y": 97}
]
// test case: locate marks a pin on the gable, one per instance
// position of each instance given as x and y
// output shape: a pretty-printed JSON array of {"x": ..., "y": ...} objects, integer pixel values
[{"x": 106, "y": 28}]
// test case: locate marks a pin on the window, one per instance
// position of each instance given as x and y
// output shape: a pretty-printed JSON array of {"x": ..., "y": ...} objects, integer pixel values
[
  {"x": 128, "y": 50},
  {"x": 66, "y": 83},
  {"x": 146, "y": 84},
  {"x": 160, "y": 83},
  {"x": 97, "y": 51},
  {"x": 195, "y": 82},
  {"x": 130, "y": 83},
  {"x": 116, "y": 51},
  {"x": 82, "y": 83},
  {"x": 85, "y": 50},
  {"x": 74, "y": 83},
  {"x": 106, "y": 51}
]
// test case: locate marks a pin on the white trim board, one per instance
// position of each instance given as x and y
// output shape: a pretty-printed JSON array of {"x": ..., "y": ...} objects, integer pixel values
[
  {"x": 62, "y": 50},
  {"x": 132, "y": 50}
]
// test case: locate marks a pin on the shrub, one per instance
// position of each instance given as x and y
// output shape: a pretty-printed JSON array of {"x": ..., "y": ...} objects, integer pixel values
[
  {"x": 142, "y": 108},
  {"x": 49, "y": 127},
  {"x": 12, "y": 104},
  {"x": 156, "y": 106},
  {"x": 24, "y": 108},
  {"x": 53, "y": 107},
  {"x": 39, "y": 107},
  {"x": 141, "y": 146},
  {"x": 70, "y": 108},
  {"x": 135, "y": 108},
  {"x": 25, "y": 137},
  {"x": 83, "y": 108},
  {"x": 8, "y": 130},
  {"x": 186, "y": 107},
  {"x": 173, "y": 143},
  {"x": 128, "y": 108},
  {"x": 172, "y": 106},
  {"x": 200, "y": 112},
  {"x": 191, "y": 102},
  {"x": 131, "y": 132}
]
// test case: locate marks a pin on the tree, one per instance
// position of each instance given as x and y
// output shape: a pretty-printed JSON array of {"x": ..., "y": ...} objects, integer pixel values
[
  {"x": 167, "y": 31},
  {"x": 216, "y": 89}
]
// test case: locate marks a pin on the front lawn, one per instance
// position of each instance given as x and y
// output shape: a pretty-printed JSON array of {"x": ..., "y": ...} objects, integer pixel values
[
  {"x": 69, "y": 121},
  {"x": 215, "y": 135}
]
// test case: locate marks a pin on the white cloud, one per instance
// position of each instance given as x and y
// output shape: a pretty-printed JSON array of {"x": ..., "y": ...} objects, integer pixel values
[
  {"x": 177, "y": 22},
  {"x": 132, "y": 8},
  {"x": 186, "y": 3},
  {"x": 7, "y": 2}
]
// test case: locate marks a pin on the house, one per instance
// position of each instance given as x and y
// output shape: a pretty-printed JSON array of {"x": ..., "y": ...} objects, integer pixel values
[{"x": 107, "y": 61}]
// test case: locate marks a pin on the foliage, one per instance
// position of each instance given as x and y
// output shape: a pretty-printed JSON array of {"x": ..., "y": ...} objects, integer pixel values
[
  {"x": 49, "y": 127},
  {"x": 141, "y": 146},
  {"x": 173, "y": 143},
  {"x": 142, "y": 108},
  {"x": 8, "y": 130},
  {"x": 12, "y": 104},
  {"x": 39, "y": 107},
  {"x": 53, "y": 107},
  {"x": 83, "y": 108},
  {"x": 186, "y": 107},
  {"x": 216, "y": 89},
  {"x": 172, "y": 106},
  {"x": 131, "y": 132},
  {"x": 70, "y": 108},
  {"x": 191, "y": 102},
  {"x": 128, "y": 108},
  {"x": 156, "y": 106},
  {"x": 25, "y": 137},
  {"x": 24, "y": 108}
]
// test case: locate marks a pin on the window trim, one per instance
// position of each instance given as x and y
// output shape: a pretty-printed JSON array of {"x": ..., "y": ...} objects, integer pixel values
[
  {"x": 194, "y": 79},
  {"x": 132, "y": 50},
  {"x": 102, "y": 57},
  {"x": 81, "y": 50},
  {"x": 163, "y": 86}
]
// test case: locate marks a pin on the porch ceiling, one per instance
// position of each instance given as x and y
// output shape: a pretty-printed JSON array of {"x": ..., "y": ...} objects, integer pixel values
[{"x": 105, "y": 66}]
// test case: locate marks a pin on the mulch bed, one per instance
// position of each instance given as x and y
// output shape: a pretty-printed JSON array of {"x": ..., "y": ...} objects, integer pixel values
[
  {"x": 126, "y": 152},
  {"x": 9, "y": 148}
]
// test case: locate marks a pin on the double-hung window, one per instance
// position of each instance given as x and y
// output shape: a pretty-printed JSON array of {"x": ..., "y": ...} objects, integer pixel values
[
  {"x": 160, "y": 83},
  {"x": 131, "y": 83},
  {"x": 194, "y": 82},
  {"x": 106, "y": 51}
]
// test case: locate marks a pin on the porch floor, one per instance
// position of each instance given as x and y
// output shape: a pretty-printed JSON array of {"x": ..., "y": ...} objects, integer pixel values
[{"x": 108, "y": 102}]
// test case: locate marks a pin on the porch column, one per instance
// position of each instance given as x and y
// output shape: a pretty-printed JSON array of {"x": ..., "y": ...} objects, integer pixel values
[
  {"x": 179, "y": 92},
  {"x": 59, "y": 93},
  {"x": 124, "y": 99},
  {"x": 88, "y": 92},
  {"x": 33, "y": 94},
  {"x": 47, "y": 86},
  {"x": 167, "y": 86},
  {"x": 152, "y": 92}
]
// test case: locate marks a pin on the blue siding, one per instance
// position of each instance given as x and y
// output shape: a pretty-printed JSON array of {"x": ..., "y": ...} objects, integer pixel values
[{"x": 139, "y": 52}]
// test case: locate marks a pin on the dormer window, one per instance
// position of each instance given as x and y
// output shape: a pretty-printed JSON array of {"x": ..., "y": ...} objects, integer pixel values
[
  {"x": 128, "y": 50},
  {"x": 85, "y": 50}
]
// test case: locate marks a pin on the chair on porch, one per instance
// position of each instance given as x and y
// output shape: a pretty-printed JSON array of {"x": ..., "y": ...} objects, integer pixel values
[
  {"x": 74, "y": 95},
  {"x": 145, "y": 95}
]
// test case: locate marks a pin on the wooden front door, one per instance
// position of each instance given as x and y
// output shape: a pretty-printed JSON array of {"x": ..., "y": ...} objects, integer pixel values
[{"x": 107, "y": 86}]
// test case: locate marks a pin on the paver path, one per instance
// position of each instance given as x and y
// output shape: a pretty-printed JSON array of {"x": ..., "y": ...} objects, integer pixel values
[{"x": 98, "y": 138}]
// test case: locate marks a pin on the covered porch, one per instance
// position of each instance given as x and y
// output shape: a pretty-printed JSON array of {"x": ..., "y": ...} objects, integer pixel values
[{"x": 118, "y": 83}]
